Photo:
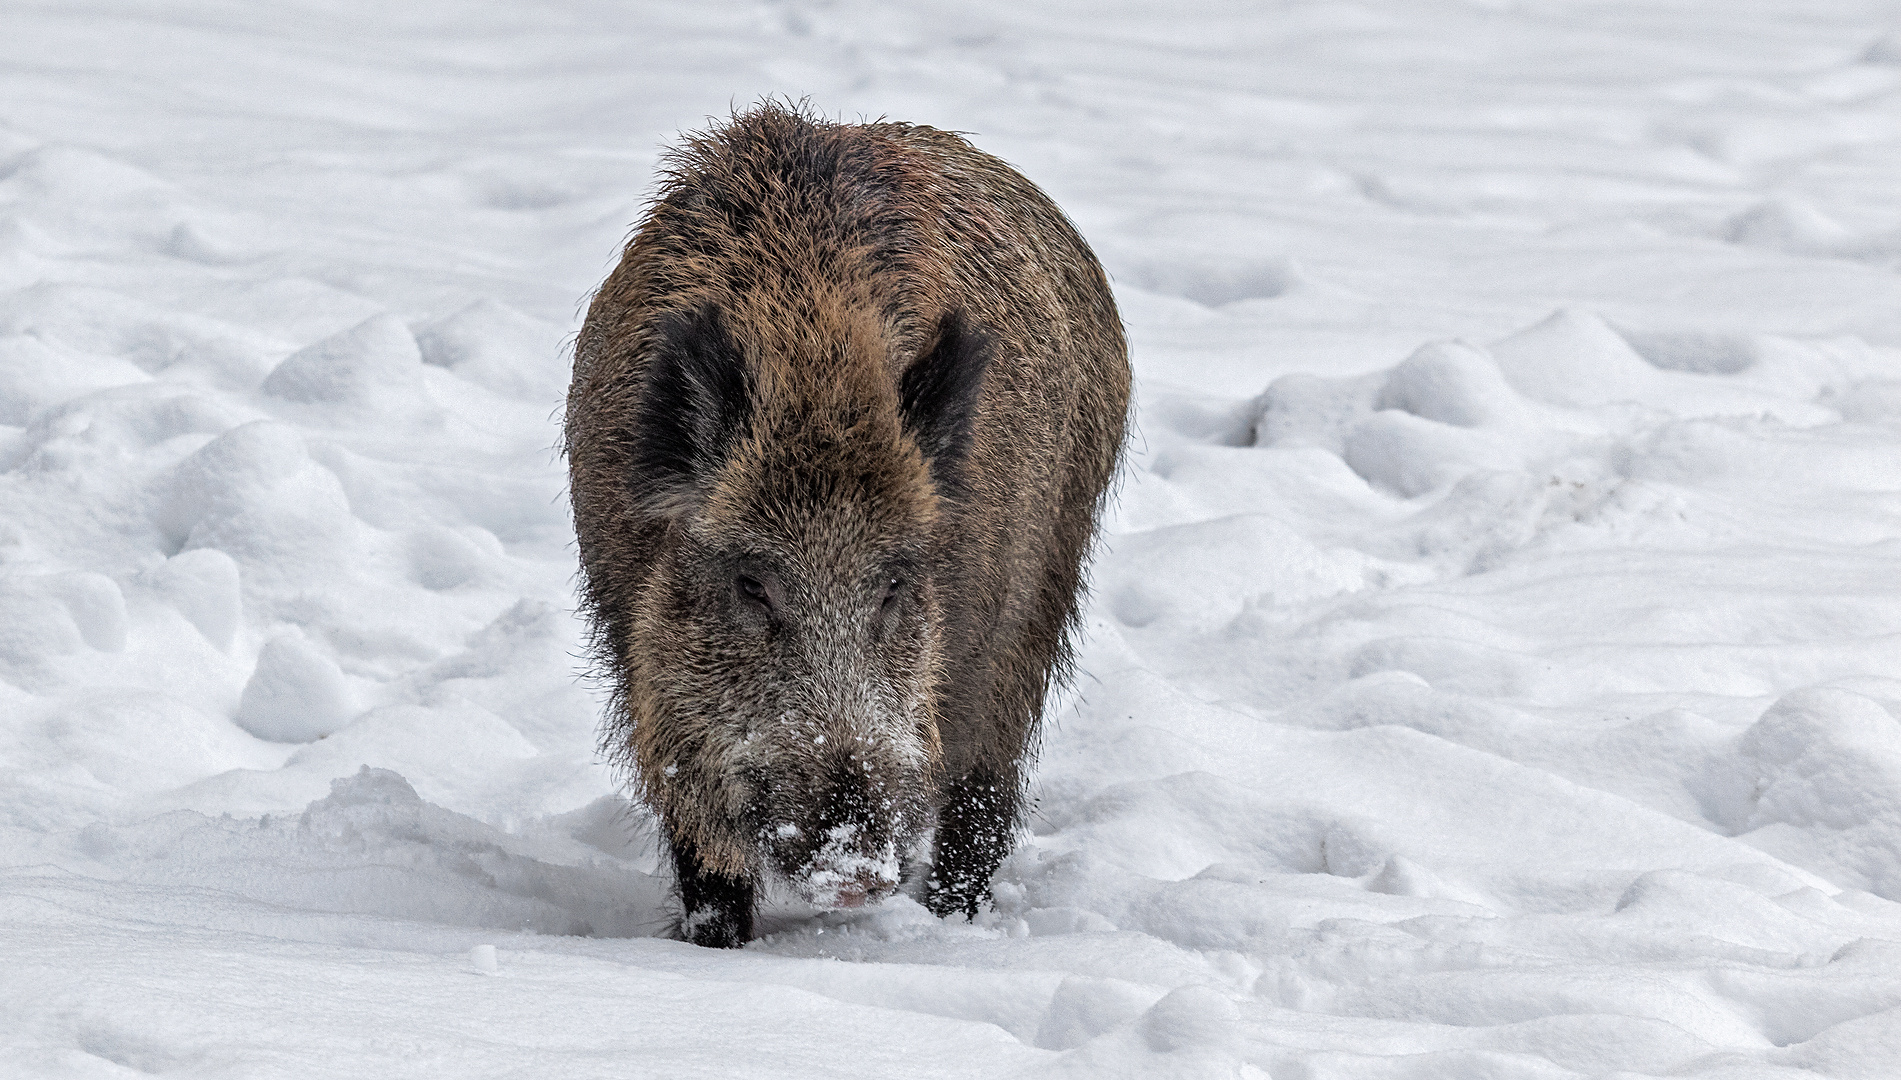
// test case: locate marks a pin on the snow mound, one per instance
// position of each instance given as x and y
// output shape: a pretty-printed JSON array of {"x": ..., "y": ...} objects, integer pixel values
[
  {"x": 295, "y": 695},
  {"x": 371, "y": 370},
  {"x": 1826, "y": 770},
  {"x": 495, "y": 346},
  {"x": 203, "y": 585},
  {"x": 374, "y": 847}
]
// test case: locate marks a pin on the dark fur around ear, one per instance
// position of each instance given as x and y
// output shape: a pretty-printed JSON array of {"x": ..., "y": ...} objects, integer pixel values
[
  {"x": 937, "y": 397},
  {"x": 696, "y": 403}
]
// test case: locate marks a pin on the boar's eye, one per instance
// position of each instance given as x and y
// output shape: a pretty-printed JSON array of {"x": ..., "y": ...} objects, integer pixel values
[
  {"x": 751, "y": 589},
  {"x": 892, "y": 590}
]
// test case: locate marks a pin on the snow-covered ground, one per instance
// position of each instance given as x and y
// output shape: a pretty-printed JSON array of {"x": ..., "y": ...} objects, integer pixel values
[{"x": 1495, "y": 663}]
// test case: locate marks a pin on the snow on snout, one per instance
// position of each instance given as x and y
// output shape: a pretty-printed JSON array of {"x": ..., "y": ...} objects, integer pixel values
[{"x": 843, "y": 875}]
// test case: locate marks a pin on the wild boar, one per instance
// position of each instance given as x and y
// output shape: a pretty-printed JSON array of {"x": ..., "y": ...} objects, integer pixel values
[{"x": 840, "y": 426}]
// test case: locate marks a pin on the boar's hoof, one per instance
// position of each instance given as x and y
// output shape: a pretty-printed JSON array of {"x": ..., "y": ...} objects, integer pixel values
[
  {"x": 718, "y": 908},
  {"x": 716, "y": 928},
  {"x": 975, "y": 830}
]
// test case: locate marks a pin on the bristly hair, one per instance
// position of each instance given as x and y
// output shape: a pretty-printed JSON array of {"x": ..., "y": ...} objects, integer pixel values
[{"x": 722, "y": 189}]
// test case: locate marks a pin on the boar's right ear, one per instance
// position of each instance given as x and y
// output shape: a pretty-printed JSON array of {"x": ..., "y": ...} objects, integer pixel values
[
  {"x": 937, "y": 398},
  {"x": 695, "y": 405}
]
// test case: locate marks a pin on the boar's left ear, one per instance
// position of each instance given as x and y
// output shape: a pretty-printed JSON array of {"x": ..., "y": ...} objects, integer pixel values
[
  {"x": 695, "y": 405},
  {"x": 937, "y": 397}
]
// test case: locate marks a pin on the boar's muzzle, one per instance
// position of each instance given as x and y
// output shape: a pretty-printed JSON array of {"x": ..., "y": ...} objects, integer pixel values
[{"x": 840, "y": 838}]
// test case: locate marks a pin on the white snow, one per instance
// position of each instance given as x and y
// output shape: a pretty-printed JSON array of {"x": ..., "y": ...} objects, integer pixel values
[{"x": 1494, "y": 665}]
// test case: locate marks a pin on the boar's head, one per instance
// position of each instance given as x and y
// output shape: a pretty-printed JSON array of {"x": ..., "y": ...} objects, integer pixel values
[{"x": 787, "y": 640}]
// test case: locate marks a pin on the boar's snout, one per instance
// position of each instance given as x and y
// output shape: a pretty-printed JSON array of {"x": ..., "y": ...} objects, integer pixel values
[{"x": 840, "y": 843}]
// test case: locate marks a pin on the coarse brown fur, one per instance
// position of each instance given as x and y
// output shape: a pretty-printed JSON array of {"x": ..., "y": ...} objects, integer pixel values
[{"x": 839, "y": 429}]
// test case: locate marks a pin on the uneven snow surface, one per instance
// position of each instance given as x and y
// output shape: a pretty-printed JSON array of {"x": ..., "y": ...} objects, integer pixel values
[{"x": 1494, "y": 663}]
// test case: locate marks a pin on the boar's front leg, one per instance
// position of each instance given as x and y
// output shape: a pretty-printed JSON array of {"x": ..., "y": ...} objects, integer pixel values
[
  {"x": 976, "y": 828},
  {"x": 718, "y": 908}
]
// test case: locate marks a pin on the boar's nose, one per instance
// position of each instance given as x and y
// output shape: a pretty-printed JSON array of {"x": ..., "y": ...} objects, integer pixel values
[
  {"x": 852, "y": 858},
  {"x": 853, "y": 893}
]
